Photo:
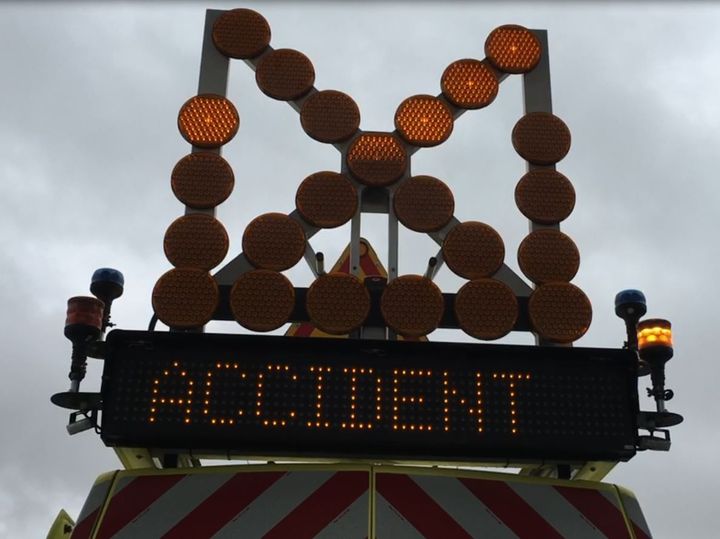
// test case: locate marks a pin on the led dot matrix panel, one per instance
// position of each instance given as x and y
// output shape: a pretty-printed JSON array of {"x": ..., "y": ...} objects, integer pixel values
[{"x": 254, "y": 395}]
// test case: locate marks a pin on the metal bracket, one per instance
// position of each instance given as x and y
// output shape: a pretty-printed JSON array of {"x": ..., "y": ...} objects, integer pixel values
[
  {"x": 653, "y": 422},
  {"x": 655, "y": 443},
  {"x": 135, "y": 458},
  {"x": 656, "y": 420},
  {"x": 536, "y": 97},
  {"x": 76, "y": 426},
  {"x": 594, "y": 471}
]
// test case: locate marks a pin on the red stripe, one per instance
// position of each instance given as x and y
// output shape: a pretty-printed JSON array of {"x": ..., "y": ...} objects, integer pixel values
[
  {"x": 639, "y": 532},
  {"x": 322, "y": 507},
  {"x": 302, "y": 330},
  {"x": 597, "y": 509},
  {"x": 223, "y": 505},
  {"x": 83, "y": 528},
  {"x": 418, "y": 508},
  {"x": 369, "y": 267},
  {"x": 133, "y": 500},
  {"x": 511, "y": 509},
  {"x": 345, "y": 266}
]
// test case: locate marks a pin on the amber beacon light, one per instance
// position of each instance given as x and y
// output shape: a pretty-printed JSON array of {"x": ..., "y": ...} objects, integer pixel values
[
  {"x": 655, "y": 333},
  {"x": 655, "y": 346}
]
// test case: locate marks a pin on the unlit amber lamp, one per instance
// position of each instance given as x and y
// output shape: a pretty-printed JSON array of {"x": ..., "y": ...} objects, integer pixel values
[
  {"x": 654, "y": 332},
  {"x": 85, "y": 312}
]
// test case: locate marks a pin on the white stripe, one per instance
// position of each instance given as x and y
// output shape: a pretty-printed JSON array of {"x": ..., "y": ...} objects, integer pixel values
[
  {"x": 94, "y": 500},
  {"x": 389, "y": 524},
  {"x": 174, "y": 505},
  {"x": 464, "y": 507},
  {"x": 557, "y": 511},
  {"x": 353, "y": 522},
  {"x": 274, "y": 504}
]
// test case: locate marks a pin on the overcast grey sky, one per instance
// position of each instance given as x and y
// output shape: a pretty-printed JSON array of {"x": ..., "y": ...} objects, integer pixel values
[{"x": 88, "y": 137}]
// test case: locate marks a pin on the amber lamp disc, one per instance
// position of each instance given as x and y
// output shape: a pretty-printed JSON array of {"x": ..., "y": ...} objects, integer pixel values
[
  {"x": 338, "y": 303},
  {"x": 208, "y": 121},
  {"x": 202, "y": 180},
  {"x": 412, "y": 305},
  {"x": 545, "y": 196},
  {"x": 424, "y": 120},
  {"x": 486, "y": 309},
  {"x": 326, "y": 199},
  {"x": 513, "y": 49},
  {"x": 262, "y": 300},
  {"x": 469, "y": 84},
  {"x": 377, "y": 159},
  {"x": 473, "y": 250},
  {"x": 541, "y": 138},
  {"x": 548, "y": 255},
  {"x": 285, "y": 74},
  {"x": 241, "y": 33},
  {"x": 196, "y": 240},
  {"x": 274, "y": 241},
  {"x": 185, "y": 298},
  {"x": 424, "y": 204},
  {"x": 559, "y": 312},
  {"x": 330, "y": 116}
]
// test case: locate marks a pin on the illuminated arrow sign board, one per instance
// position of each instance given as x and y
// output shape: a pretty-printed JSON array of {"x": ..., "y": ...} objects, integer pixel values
[{"x": 282, "y": 396}]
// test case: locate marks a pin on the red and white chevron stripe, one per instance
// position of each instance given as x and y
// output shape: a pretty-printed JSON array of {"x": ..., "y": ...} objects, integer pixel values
[
  {"x": 634, "y": 514},
  {"x": 92, "y": 507},
  {"x": 429, "y": 506},
  {"x": 249, "y": 504},
  {"x": 326, "y": 502}
]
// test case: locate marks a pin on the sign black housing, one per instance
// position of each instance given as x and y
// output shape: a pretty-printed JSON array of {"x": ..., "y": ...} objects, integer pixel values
[{"x": 307, "y": 397}]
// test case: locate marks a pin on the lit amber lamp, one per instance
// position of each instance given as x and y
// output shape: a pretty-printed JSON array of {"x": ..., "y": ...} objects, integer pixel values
[
  {"x": 377, "y": 159},
  {"x": 469, "y": 84},
  {"x": 655, "y": 333},
  {"x": 655, "y": 346},
  {"x": 513, "y": 49},
  {"x": 424, "y": 120},
  {"x": 208, "y": 121}
]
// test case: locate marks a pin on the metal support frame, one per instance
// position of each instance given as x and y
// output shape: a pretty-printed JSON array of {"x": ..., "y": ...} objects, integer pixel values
[
  {"x": 537, "y": 97},
  {"x": 213, "y": 79},
  {"x": 214, "y": 66},
  {"x": 135, "y": 458}
]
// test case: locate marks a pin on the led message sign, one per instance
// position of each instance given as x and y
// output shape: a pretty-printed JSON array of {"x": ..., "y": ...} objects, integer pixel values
[{"x": 258, "y": 395}]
